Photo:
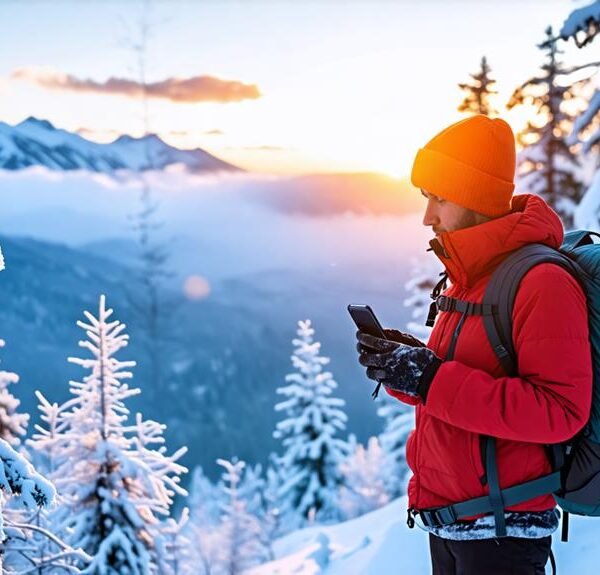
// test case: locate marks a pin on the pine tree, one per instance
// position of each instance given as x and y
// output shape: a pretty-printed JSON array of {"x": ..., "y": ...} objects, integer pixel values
[
  {"x": 47, "y": 437},
  {"x": 399, "y": 421},
  {"x": 368, "y": 480},
  {"x": 175, "y": 553},
  {"x": 240, "y": 528},
  {"x": 547, "y": 165},
  {"x": 309, "y": 435},
  {"x": 271, "y": 517},
  {"x": 478, "y": 93},
  {"x": 115, "y": 479},
  {"x": 147, "y": 293},
  {"x": 13, "y": 425},
  {"x": 583, "y": 25},
  {"x": 205, "y": 501},
  {"x": 260, "y": 495}
]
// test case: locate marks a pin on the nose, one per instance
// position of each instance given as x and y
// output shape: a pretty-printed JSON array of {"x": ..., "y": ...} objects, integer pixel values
[{"x": 431, "y": 217}]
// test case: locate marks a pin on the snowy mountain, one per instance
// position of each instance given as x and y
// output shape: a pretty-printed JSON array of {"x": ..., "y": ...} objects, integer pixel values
[
  {"x": 379, "y": 543},
  {"x": 35, "y": 142}
]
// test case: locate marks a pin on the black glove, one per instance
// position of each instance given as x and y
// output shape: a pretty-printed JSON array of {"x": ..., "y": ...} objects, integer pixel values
[
  {"x": 401, "y": 337},
  {"x": 392, "y": 335},
  {"x": 400, "y": 367}
]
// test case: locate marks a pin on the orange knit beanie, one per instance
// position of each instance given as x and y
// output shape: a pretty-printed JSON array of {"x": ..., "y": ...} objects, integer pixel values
[{"x": 470, "y": 163}]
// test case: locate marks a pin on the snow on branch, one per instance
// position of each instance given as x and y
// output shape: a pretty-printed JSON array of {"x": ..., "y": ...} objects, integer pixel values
[
  {"x": 18, "y": 477},
  {"x": 582, "y": 24}
]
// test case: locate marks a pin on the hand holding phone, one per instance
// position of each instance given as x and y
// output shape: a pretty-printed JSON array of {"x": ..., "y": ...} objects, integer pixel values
[{"x": 367, "y": 322}]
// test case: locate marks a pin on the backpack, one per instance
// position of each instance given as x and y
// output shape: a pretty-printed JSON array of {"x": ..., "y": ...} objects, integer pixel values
[{"x": 575, "y": 478}]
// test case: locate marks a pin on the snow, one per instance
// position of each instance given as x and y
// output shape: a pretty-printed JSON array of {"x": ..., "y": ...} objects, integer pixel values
[
  {"x": 584, "y": 121},
  {"x": 13, "y": 425},
  {"x": 17, "y": 476},
  {"x": 587, "y": 212},
  {"x": 374, "y": 544},
  {"x": 579, "y": 20},
  {"x": 380, "y": 543}
]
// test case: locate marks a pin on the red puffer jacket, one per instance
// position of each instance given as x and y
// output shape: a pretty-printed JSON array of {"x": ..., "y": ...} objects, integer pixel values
[{"x": 551, "y": 399}]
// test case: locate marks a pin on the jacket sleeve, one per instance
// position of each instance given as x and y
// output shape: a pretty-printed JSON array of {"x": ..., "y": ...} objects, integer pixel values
[{"x": 550, "y": 401}]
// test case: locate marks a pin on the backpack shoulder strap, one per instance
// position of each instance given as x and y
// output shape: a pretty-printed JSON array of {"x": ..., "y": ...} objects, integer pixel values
[{"x": 501, "y": 293}]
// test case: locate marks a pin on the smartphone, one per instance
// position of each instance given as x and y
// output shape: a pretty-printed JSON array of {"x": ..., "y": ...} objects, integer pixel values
[{"x": 365, "y": 320}]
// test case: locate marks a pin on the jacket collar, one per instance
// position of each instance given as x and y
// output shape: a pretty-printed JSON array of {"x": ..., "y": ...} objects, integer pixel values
[{"x": 471, "y": 253}]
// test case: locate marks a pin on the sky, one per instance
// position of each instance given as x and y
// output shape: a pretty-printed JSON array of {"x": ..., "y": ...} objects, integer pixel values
[{"x": 276, "y": 86}]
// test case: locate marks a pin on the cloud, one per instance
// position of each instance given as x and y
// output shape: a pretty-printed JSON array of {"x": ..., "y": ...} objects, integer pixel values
[
  {"x": 188, "y": 90},
  {"x": 335, "y": 194}
]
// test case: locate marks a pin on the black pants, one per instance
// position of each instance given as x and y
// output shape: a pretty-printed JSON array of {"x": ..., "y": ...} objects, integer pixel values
[{"x": 502, "y": 556}]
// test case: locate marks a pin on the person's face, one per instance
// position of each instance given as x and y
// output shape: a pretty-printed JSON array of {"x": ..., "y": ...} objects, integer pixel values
[{"x": 445, "y": 216}]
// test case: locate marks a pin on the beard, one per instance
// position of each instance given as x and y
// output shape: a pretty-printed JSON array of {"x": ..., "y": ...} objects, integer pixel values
[{"x": 467, "y": 220}]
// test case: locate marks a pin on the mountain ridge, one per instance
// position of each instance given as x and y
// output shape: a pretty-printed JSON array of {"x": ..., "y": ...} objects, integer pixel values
[{"x": 37, "y": 142}]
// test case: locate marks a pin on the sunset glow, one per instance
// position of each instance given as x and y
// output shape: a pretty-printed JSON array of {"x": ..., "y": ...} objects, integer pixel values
[{"x": 363, "y": 98}]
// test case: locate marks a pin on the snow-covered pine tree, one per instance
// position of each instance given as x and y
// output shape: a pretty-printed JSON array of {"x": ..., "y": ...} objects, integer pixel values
[
  {"x": 44, "y": 441},
  {"x": 175, "y": 553},
  {"x": 271, "y": 521},
  {"x": 260, "y": 494},
  {"x": 583, "y": 25},
  {"x": 399, "y": 421},
  {"x": 478, "y": 93},
  {"x": 368, "y": 479},
  {"x": 547, "y": 164},
  {"x": 205, "y": 502},
  {"x": 240, "y": 530},
  {"x": 114, "y": 483},
  {"x": 309, "y": 434},
  {"x": 13, "y": 425},
  {"x": 425, "y": 274}
]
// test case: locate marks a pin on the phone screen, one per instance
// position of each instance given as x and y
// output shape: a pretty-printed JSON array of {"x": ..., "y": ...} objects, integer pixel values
[{"x": 365, "y": 320}]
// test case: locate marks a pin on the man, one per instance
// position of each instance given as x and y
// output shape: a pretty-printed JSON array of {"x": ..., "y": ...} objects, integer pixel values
[{"x": 457, "y": 383}]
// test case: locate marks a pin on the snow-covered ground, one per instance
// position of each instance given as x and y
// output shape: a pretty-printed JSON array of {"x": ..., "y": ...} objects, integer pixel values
[{"x": 380, "y": 543}]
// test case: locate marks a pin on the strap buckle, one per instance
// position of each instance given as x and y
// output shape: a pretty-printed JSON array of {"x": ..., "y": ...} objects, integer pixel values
[
  {"x": 445, "y": 303},
  {"x": 438, "y": 517}
]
